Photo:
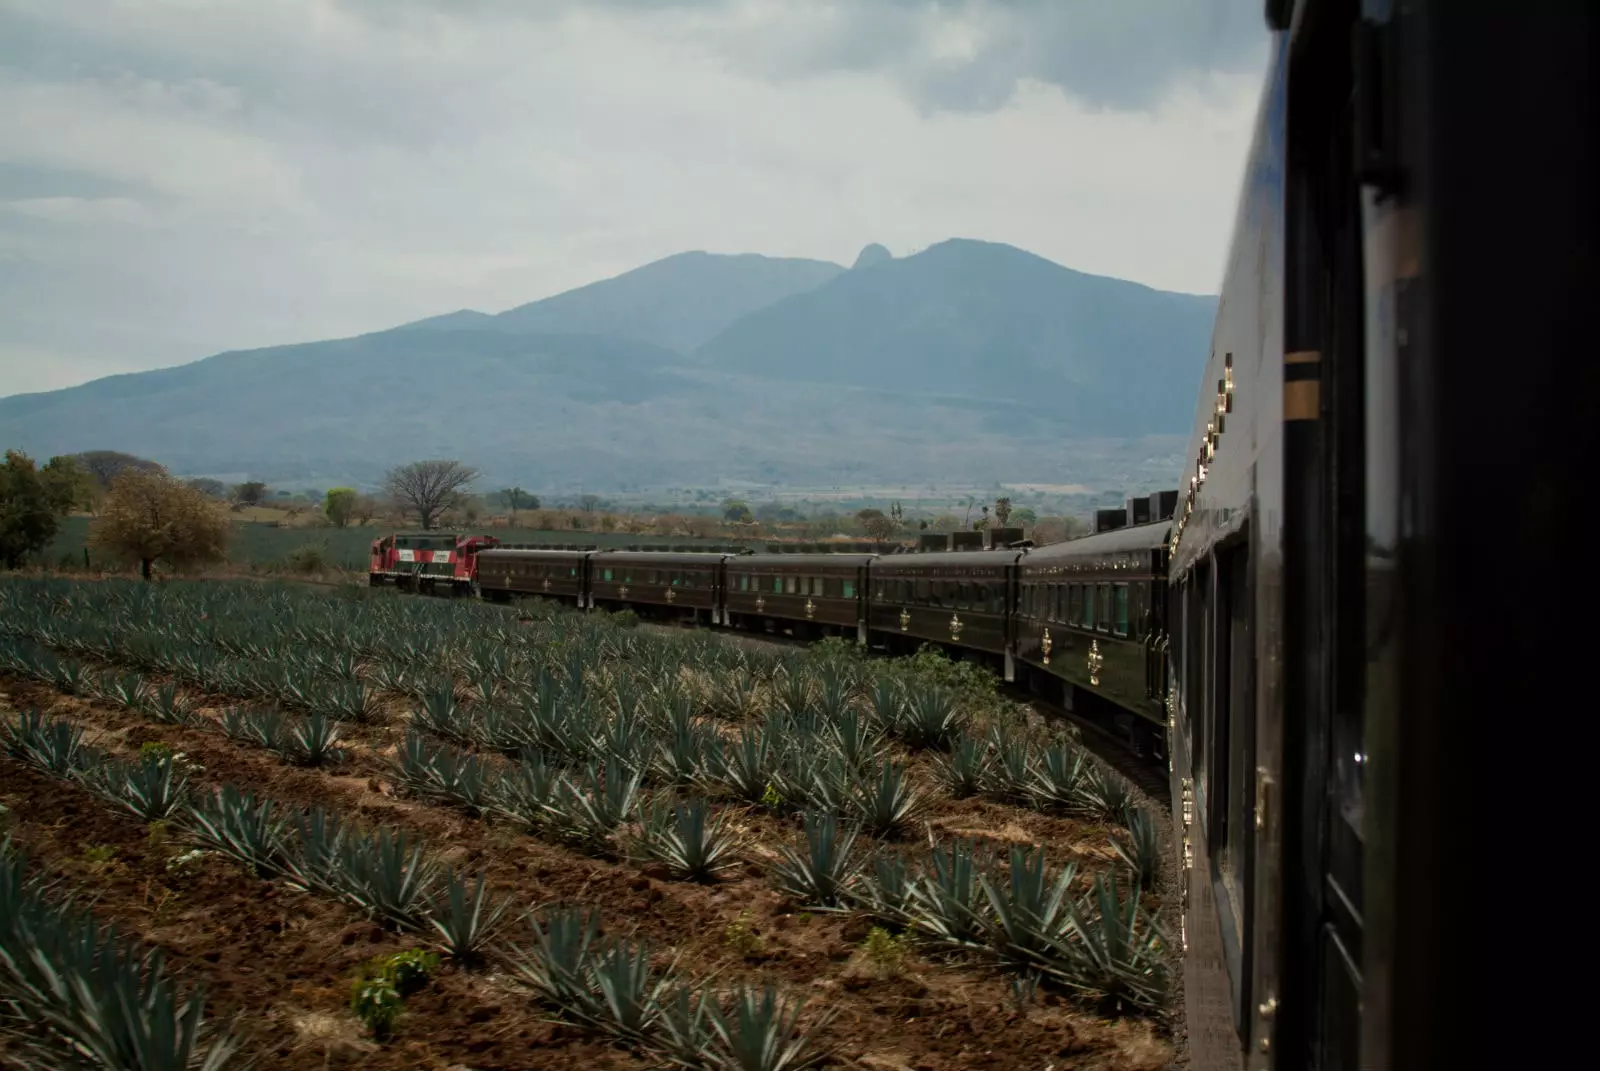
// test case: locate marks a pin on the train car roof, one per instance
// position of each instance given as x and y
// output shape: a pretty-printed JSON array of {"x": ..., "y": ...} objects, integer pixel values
[
  {"x": 763, "y": 560},
  {"x": 658, "y": 556},
  {"x": 1117, "y": 541},
  {"x": 528, "y": 552},
  {"x": 916, "y": 560}
]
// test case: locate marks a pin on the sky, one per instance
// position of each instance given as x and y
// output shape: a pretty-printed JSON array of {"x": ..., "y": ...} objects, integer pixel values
[{"x": 184, "y": 177}]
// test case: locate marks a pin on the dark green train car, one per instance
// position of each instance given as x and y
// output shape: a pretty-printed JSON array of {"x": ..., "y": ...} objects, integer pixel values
[
  {"x": 662, "y": 585},
  {"x": 556, "y": 574},
  {"x": 960, "y": 600},
  {"x": 807, "y": 595},
  {"x": 1090, "y": 628}
]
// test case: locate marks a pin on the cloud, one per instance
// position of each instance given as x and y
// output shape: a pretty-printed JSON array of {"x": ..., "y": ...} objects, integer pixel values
[{"x": 179, "y": 178}]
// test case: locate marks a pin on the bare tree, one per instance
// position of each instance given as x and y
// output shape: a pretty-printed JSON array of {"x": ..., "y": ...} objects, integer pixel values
[
  {"x": 428, "y": 488},
  {"x": 107, "y": 465},
  {"x": 589, "y": 503}
]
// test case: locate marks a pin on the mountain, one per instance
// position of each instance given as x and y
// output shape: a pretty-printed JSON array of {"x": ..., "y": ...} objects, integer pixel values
[
  {"x": 966, "y": 361},
  {"x": 679, "y": 302},
  {"x": 981, "y": 320}
]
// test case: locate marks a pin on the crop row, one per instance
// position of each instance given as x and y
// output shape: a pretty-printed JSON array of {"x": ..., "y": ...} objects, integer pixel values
[{"x": 609, "y": 984}]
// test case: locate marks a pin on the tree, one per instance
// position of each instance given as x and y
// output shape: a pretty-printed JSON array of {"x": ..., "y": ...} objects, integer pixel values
[
  {"x": 516, "y": 498},
  {"x": 428, "y": 488},
  {"x": 148, "y": 517},
  {"x": 106, "y": 465},
  {"x": 1025, "y": 516},
  {"x": 339, "y": 504},
  {"x": 736, "y": 511},
  {"x": 878, "y": 525},
  {"x": 589, "y": 503},
  {"x": 32, "y": 503},
  {"x": 208, "y": 487},
  {"x": 364, "y": 508},
  {"x": 1002, "y": 510},
  {"x": 250, "y": 493}
]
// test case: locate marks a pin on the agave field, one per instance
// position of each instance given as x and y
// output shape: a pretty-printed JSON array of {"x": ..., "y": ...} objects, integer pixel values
[{"x": 280, "y": 827}]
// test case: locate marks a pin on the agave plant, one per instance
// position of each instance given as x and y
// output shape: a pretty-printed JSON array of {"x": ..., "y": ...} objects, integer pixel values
[
  {"x": 888, "y": 704},
  {"x": 1115, "y": 948},
  {"x": 349, "y": 700},
  {"x": 52, "y": 744},
  {"x": 90, "y": 996},
  {"x": 629, "y": 990},
  {"x": 559, "y": 966},
  {"x": 692, "y": 845},
  {"x": 169, "y": 705},
  {"x": 1105, "y": 794},
  {"x": 124, "y": 689},
  {"x": 823, "y": 871},
  {"x": 833, "y": 694},
  {"x": 736, "y": 695},
  {"x": 856, "y": 737},
  {"x": 590, "y": 807},
  {"x": 887, "y": 891},
  {"x": 760, "y": 1031},
  {"x": 387, "y": 875},
  {"x": 964, "y": 771},
  {"x": 262, "y": 727},
  {"x": 1056, "y": 780},
  {"x": 745, "y": 767},
  {"x": 947, "y": 904},
  {"x": 238, "y": 825},
  {"x": 319, "y": 847},
  {"x": 314, "y": 741},
  {"x": 1028, "y": 914},
  {"x": 888, "y": 802},
  {"x": 1011, "y": 771},
  {"x": 929, "y": 719},
  {"x": 462, "y": 919},
  {"x": 150, "y": 786},
  {"x": 528, "y": 790},
  {"x": 442, "y": 714},
  {"x": 1142, "y": 850}
]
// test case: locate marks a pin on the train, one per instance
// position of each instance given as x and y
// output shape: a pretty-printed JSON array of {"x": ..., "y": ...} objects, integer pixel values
[
  {"x": 1081, "y": 624},
  {"x": 1356, "y": 628},
  {"x": 1369, "y": 614}
]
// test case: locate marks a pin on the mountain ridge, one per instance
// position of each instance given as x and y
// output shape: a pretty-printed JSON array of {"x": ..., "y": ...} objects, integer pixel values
[{"x": 965, "y": 360}]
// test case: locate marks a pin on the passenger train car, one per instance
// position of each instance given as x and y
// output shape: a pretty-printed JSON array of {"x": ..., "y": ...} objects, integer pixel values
[{"x": 1389, "y": 407}]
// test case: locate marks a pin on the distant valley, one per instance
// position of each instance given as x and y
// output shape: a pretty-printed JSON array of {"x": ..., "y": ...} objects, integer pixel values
[{"x": 967, "y": 361}]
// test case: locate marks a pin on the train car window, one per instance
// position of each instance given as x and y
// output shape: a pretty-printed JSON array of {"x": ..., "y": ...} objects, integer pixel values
[
  {"x": 1119, "y": 609},
  {"x": 777, "y": 585},
  {"x": 606, "y": 575},
  {"x": 848, "y": 589},
  {"x": 1103, "y": 608},
  {"x": 573, "y": 571},
  {"x": 788, "y": 585}
]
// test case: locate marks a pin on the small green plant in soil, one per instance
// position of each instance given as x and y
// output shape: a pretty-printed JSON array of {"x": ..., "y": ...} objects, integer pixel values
[
  {"x": 99, "y": 856},
  {"x": 741, "y": 937},
  {"x": 377, "y": 996},
  {"x": 886, "y": 952}
]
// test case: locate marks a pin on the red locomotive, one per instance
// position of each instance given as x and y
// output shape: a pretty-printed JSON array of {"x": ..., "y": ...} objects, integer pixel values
[{"x": 442, "y": 562}]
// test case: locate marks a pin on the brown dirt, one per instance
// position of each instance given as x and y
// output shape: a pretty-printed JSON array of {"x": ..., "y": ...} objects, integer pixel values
[
  {"x": 928, "y": 1016},
  {"x": 282, "y": 960}
]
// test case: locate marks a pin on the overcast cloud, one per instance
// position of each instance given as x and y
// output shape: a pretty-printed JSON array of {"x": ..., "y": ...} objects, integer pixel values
[{"x": 180, "y": 177}]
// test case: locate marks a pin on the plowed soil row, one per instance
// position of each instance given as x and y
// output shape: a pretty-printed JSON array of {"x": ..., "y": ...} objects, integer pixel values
[
  {"x": 928, "y": 1015},
  {"x": 280, "y": 960}
]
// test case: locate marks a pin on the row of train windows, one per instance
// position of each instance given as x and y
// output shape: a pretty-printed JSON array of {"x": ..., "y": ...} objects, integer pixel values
[
  {"x": 822, "y": 587},
  {"x": 663, "y": 577},
  {"x": 1098, "y": 606},
  {"x": 945, "y": 594},
  {"x": 528, "y": 569}
]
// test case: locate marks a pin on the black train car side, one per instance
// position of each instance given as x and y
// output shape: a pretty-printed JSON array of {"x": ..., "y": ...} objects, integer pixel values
[{"x": 1363, "y": 659}]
